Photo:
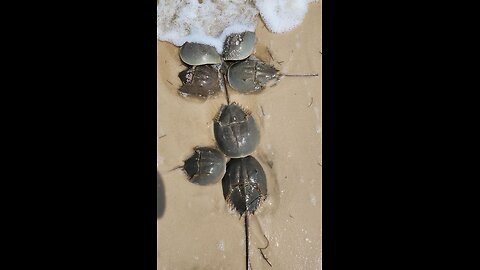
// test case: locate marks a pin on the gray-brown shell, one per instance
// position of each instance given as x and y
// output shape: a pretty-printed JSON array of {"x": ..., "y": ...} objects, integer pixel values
[
  {"x": 244, "y": 184},
  {"x": 239, "y": 46},
  {"x": 200, "y": 81},
  {"x": 196, "y": 54},
  {"x": 236, "y": 131},
  {"x": 206, "y": 166},
  {"x": 251, "y": 75}
]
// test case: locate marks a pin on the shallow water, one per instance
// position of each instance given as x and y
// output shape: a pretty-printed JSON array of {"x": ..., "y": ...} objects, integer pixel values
[{"x": 196, "y": 229}]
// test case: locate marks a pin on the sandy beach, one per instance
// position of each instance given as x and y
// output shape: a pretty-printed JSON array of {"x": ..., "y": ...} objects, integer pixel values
[{"x": 195, "y": 227}]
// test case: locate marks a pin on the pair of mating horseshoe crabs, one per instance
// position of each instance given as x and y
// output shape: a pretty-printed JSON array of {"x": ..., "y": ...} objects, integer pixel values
[{"x": 237, "y": 135}]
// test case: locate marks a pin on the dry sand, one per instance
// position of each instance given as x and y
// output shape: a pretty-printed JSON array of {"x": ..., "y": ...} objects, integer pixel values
[{"x": 195, "y": 228}]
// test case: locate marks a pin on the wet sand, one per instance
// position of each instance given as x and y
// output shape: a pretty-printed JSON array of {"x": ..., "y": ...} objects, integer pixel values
[{"x": 195, "y": 227}]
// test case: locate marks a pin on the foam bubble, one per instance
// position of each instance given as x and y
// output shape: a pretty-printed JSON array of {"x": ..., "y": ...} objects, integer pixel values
[
  {"x": 313, "y": 199},
  {"x": 221, "y": 245}
]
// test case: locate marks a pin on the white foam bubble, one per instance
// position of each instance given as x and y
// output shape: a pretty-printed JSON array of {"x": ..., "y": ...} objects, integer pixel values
[
  {"x": 313, "y": 199},
  {"x": 221, "y": 245},
  {"x": 282, "y": 15}
]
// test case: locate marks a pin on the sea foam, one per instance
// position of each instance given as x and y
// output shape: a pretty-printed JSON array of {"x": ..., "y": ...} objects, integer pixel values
[
  {"x": 207, "y": 22},
  {"x": 211, "y": 21},
  {"x": 282, "y": 15}
]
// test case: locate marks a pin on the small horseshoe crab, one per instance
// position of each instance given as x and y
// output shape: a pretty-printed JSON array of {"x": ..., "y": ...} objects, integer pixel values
[
  {"x": 244, "y": 184},
  {"x": 236, "y": 131},
  {"x": 239, "y": 46},
  {"x": 253, "y": 75},
  {"x": 195, "y": 54},
  {"x": 205, "y": 167},
  {"x": 200, "y": 81},
  {"x": 244, "y": 188}
]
